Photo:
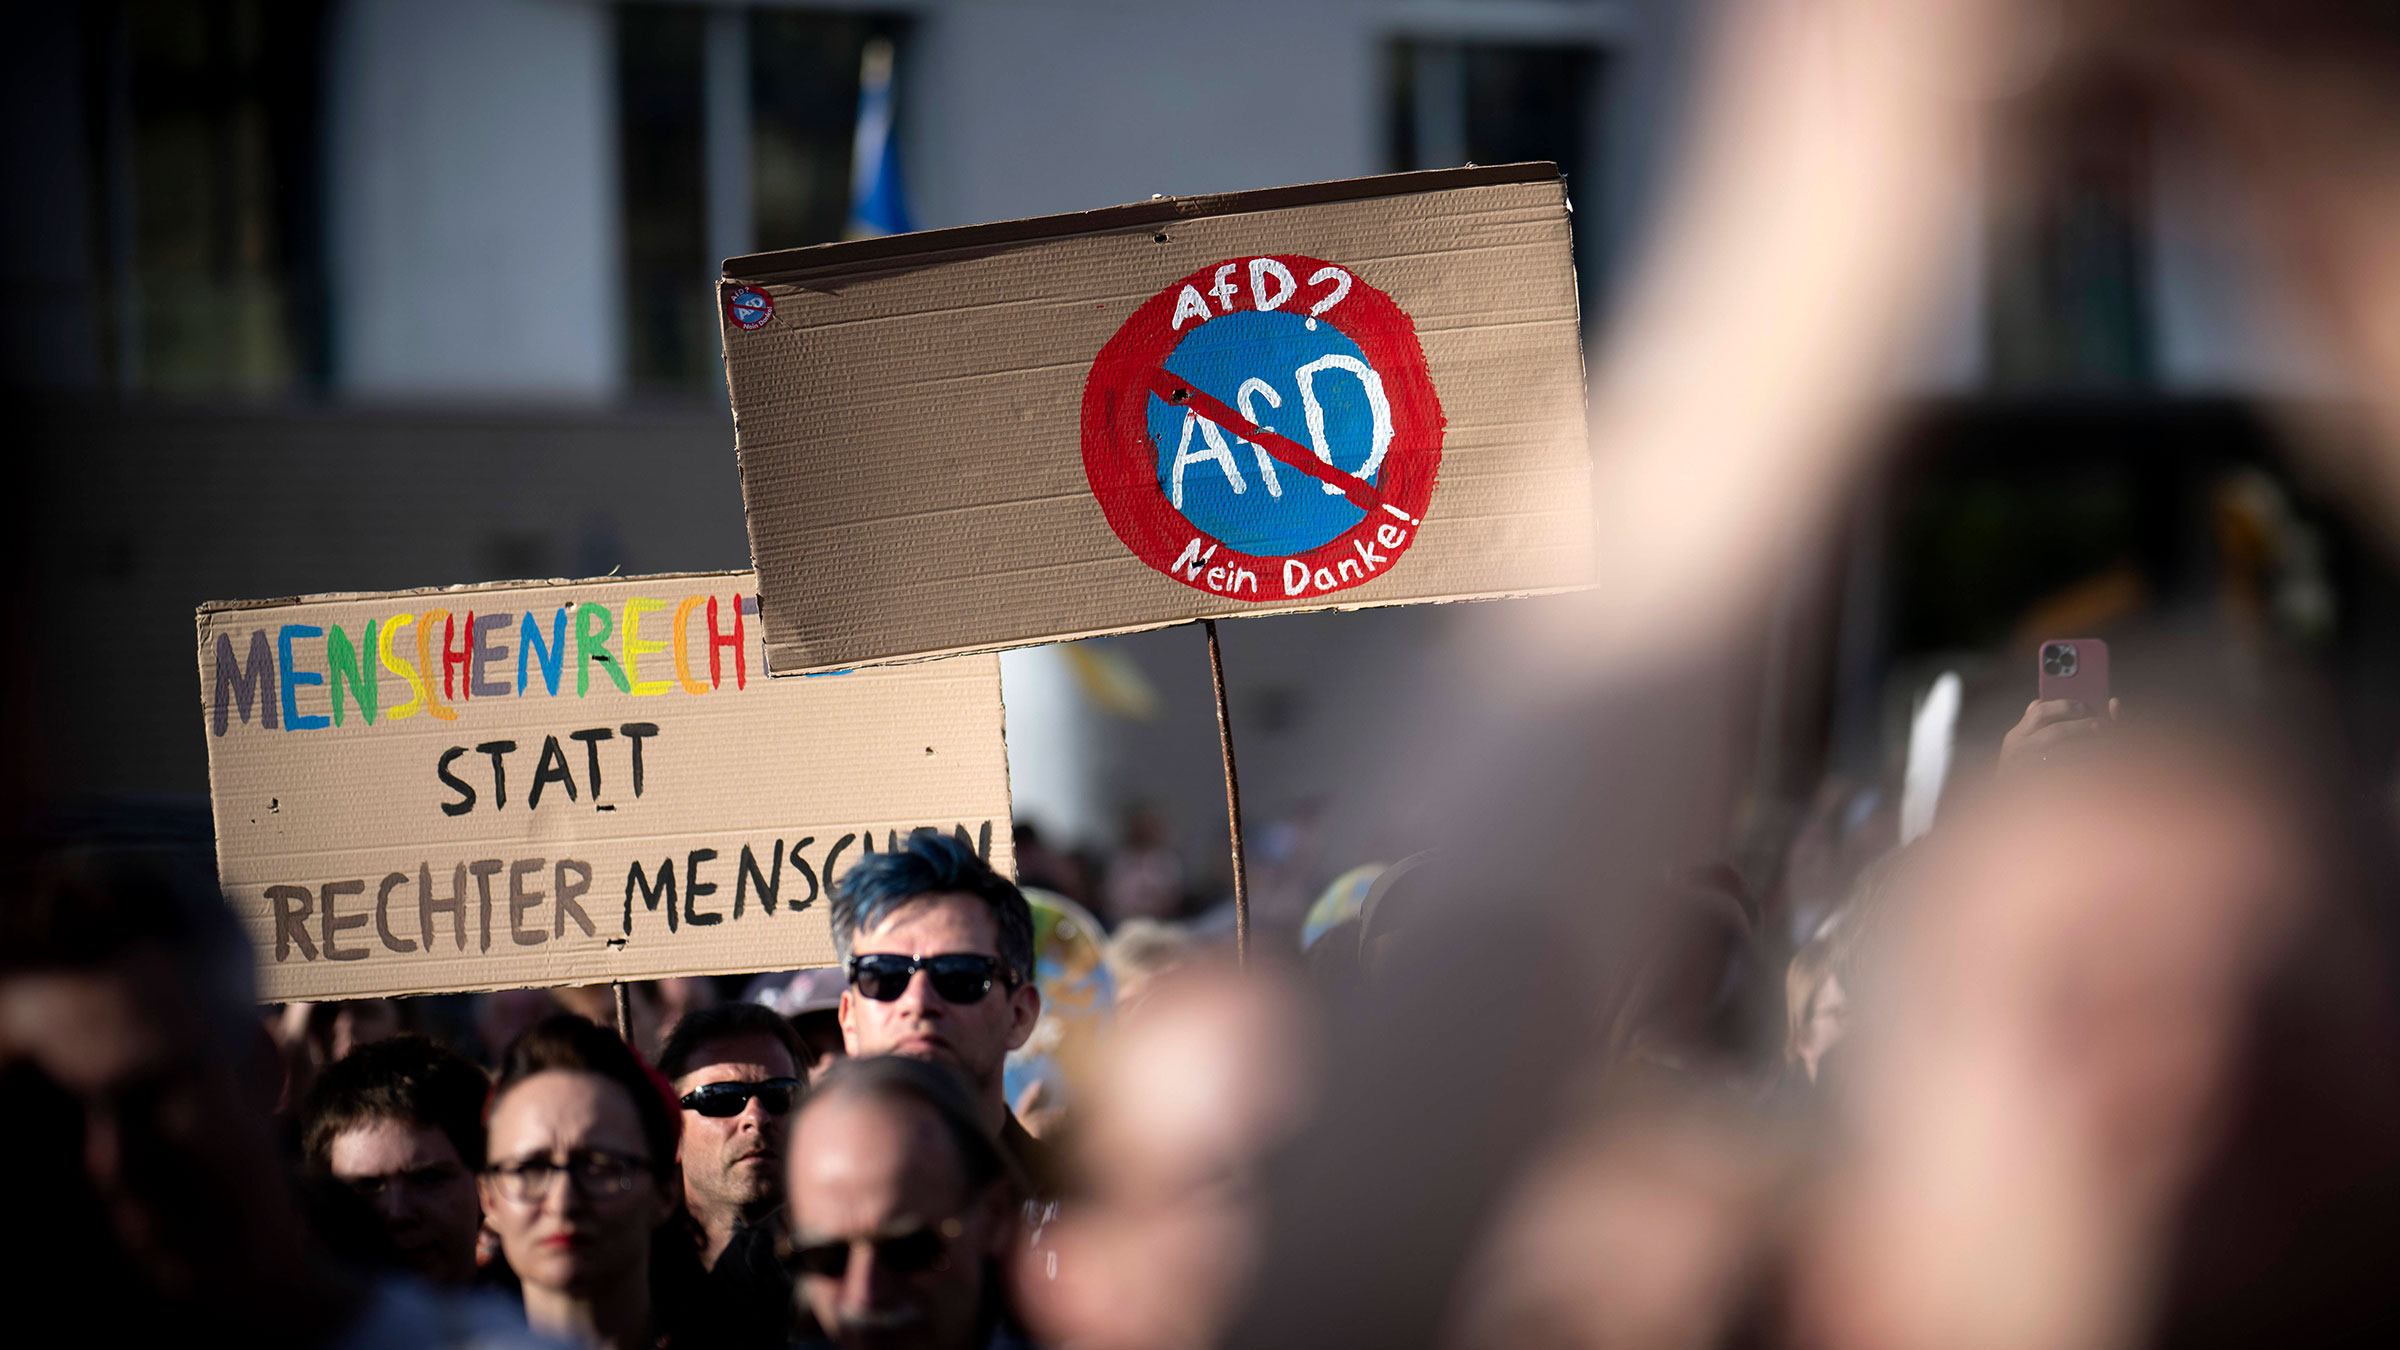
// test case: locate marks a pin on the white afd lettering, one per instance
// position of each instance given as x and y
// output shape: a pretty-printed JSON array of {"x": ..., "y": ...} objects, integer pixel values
[
  {"x": 1213, "y": 450},
  {"x": 1378, "y": 406},
  {"x": 1272, "y": 286},
  {"x": 1225, "y": 289},
  {"x": 1189, "y": 305},
  {"x": 1261, "y": 269}
]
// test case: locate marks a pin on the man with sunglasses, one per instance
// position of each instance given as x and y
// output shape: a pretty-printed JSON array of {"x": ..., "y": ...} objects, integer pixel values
[
  {"x": 899, "y": 1213},
  {"x": 939, "y": 949},
  {"x": 735, "y": 1068}
]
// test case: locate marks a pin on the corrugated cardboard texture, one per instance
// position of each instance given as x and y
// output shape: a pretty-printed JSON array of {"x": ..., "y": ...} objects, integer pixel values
[
  {"x": 908, "y": 416},
  {"x": 333, "y": 838}
]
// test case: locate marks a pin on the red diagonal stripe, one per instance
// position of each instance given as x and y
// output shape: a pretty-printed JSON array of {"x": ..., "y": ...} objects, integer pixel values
[{"x": 1184, "y": 394}]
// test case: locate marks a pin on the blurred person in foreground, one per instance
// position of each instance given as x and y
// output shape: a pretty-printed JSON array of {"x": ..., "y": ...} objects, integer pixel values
[
  {"x": 400, "y": 1122},
  {"x": 2127, "y": 1027},
  {"x": 126, "y": 1027},
  {"x": 900, "y": 1207},
  {"x": 1817, "y": 982},
  {"x": 1834, "y": 171},
  {"x": 939, "y": 949},
  {"x": 580, "y": 1183},
  {"x": 1199, "y": 1086},
  {"x": 2122, "y": 1071}
]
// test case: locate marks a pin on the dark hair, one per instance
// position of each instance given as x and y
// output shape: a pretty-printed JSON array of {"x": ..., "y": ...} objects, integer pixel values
[
  {"x": 680, "y": 1299},
  {"x": 704, "y": 1027},
  {"x": 932, "y": 863},
  {"x": 566, "y": 1042},
  {"x": 406, "y": 1078},
  {"x": 89, "y": 889},
  {"x": 936, "y": 1087}
]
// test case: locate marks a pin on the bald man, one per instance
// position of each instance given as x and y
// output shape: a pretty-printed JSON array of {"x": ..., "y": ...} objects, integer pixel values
[{"x": 900, "y": 1210}]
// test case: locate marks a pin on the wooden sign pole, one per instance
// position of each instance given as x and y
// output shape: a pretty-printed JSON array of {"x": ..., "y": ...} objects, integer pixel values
[
  {"x": 624, "y": 1013},
  {"x": 1233, "y": 798}
]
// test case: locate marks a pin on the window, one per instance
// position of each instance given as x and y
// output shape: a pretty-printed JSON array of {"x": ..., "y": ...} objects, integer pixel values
[
  {"x": 661, "y": 171},
  {"x": 208, "y": 224},
  {"x": 1458, "y": 103},
  {"x": 804, "y": 75},
  {"x": 772, "y": 170}
]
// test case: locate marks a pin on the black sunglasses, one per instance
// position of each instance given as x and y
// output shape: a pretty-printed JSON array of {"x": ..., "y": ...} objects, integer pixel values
[
  {"x": 910, "y": 1253},
  {"x": 959, "y": 977},
  {"x": 720, "y": 1100}
]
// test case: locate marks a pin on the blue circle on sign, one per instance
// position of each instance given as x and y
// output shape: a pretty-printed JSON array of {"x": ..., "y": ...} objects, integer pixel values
[{"x": 1303, "y": 379}]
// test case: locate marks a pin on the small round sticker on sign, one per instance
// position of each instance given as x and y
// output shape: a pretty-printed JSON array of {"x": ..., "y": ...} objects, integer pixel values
[
  {"x": 749, "y": 308},
  {"x": 1264, "y": 429}
]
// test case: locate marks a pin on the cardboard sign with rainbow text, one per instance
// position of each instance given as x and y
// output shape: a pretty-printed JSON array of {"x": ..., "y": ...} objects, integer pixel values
[{"x": 561, "y": 783}]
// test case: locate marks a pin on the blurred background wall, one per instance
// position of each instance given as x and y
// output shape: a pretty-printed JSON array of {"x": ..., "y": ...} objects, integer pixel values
[{"x": 320, "y": 295}]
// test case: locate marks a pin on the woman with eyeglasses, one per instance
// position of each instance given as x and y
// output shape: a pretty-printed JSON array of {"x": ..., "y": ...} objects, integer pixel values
[{"x": 580, "y": 1183}]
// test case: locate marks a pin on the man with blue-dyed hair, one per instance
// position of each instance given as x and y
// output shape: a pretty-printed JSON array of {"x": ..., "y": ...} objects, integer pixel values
[{"x": 939, "y": 951}]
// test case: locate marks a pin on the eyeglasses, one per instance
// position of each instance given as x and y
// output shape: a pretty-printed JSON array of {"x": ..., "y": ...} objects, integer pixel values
[
  {"x": 907, "y": 1253},
  {"x": 720, "y": 1100},
  {"x": 598, "y": 1175},
  {"x": 959, "y": 977}
]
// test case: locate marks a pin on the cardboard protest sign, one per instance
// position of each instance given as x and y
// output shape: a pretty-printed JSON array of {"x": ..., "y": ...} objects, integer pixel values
[
  {"x": 1350, "y": 394},
  {"x": 563, "y": 783}
]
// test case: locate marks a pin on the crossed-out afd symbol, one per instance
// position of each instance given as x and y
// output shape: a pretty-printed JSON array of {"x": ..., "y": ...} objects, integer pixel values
[
  {"x": 1264, "y": 428},
  {"x": 750, "y": 308}
]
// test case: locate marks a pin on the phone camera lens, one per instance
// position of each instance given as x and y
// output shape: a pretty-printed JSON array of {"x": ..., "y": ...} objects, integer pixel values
[{"x": 2059, "y": 659}]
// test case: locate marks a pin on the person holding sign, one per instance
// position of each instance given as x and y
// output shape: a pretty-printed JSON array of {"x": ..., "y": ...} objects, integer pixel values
[
  {"x": 939, "y": 948},
  {"x": 580, "y": 1183}
]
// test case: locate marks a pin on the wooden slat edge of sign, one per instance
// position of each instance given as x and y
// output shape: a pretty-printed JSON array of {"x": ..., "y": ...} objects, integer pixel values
[{"x": 795, "y": 264}]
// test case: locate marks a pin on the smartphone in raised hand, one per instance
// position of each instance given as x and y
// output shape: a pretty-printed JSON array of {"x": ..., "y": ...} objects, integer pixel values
[{"x": 2075, "y": 668}]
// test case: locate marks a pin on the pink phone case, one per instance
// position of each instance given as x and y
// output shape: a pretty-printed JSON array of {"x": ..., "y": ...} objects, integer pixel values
[{"x": 2075, "y": 668}]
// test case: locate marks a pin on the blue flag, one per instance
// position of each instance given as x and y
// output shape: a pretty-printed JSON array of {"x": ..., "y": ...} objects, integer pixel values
[{"x": 876, "y": 203}]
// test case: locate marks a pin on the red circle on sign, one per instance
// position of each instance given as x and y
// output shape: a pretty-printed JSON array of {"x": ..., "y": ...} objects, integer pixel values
[{"x": 1121, "y": 460}]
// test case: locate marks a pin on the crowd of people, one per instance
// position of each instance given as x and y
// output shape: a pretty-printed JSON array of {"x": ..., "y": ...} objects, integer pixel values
[
  {"x": 2107, "y": 1057},
  {"x": 741, "y": 1180},
  {"x": 2100, "y": 950}
]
